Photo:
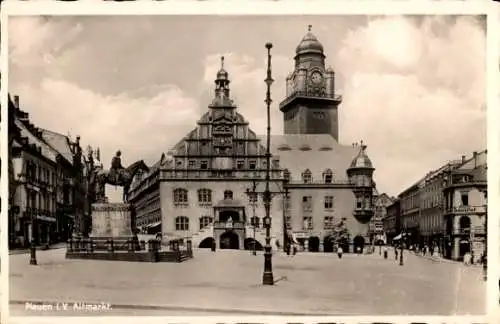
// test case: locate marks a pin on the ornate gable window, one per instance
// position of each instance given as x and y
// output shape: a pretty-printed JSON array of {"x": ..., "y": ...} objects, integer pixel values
[
  {"x": 181, "y": 223},
  {"x": 307, "y": 176},
  {"x": 205, "y": 221},
  {"x": 205, "y": 196},
  {"x": 180, "y": 196},
  {"x": 328, "y": 176},
  {"x": 228, "y": 194}
]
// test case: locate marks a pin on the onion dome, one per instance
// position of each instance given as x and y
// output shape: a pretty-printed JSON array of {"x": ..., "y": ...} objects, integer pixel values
[
  {"x": 361, "y": 161},
  {"x": 309, "y": 44},
  {"x": 222, "y": 74}
]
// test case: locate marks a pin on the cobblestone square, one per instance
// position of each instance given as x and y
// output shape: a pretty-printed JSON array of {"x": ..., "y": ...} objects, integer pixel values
[{"x": 229, "y": 282}]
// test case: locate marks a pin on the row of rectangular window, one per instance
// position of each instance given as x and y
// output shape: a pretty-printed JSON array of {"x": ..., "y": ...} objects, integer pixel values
[
  {"x": 205, "y": 196},
  {"x": 182, "y": 222},
  {"x": 204, "y": 165}
]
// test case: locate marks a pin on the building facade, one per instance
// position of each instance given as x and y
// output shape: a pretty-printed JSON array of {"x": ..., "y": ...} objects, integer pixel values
[
  {"x": 376, "y": 226},
  {"x": 44, "y": 184},
  {"x": 446, "y": 209},
  {"x": 208, "y": 186},
  {"x": 465, "y": 192},
  {"x": 392, "y": 220}
]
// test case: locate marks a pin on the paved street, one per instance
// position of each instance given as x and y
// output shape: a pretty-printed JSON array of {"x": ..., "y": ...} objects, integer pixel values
[{"x": 228, "y": 282}]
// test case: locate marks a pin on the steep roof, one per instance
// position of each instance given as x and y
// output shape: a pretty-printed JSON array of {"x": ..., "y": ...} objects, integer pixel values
[
  {"x": 317, "y": 153},
  {"x": 59, "y": 142},
  {"x": 47, "y": 151}
]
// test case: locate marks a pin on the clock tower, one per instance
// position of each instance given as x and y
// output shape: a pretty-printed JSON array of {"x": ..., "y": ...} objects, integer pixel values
[{"x": 311, "y": 104}]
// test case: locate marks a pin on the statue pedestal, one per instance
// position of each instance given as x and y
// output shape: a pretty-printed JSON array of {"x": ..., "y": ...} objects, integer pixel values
[{"x": 112, "y": 221}]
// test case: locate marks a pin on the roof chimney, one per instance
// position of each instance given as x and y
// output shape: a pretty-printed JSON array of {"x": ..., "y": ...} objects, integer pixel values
[
  {"x": 474, "y": 154},
  {"x": 16, "y": 101},
  {"x": 463, "y": 158}
]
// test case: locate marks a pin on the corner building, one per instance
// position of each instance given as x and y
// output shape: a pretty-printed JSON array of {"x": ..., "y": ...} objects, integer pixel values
[{"x": 208, "y": 186}]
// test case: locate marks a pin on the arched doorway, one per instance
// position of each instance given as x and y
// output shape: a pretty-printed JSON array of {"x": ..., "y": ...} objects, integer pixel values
[
  {"x": 224, "y": 215},
  {"x": 328, "y": 244},
  {"x": 206, "y": 243},
  {"x": 249, "y": 244},
  {"x": 344, "y": 244},
  {"x": 229, "y": 240},
  {"x": 314, "y": 244},
  {"x": 464, "y": 246},
  {"x": 359, "y": 242}
]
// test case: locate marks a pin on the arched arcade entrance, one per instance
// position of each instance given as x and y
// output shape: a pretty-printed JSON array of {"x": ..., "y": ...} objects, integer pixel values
[
  {"x": 229, "y": 240},
  {"x": 249, "y": 244},
  {"x": 359, "y": 243},
  {"x": 328, "y": 244},
  {"x": 206, "y": 243},
  {"x": 314, "y": 244}
]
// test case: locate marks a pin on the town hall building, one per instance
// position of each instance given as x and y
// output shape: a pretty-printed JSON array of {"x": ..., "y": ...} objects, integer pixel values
[{"x": 208, "y": 187}]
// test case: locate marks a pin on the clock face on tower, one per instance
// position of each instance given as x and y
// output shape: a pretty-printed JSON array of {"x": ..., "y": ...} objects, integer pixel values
[{"x": 316, "y": 77}]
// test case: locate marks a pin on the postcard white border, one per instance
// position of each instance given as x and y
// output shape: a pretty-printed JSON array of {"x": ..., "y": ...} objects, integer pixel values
[{"x": 260, "y": 7}]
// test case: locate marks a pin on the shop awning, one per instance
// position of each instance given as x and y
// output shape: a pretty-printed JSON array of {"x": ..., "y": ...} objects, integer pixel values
[
  {"x": 47, "y": 219},
  {"x": 152, "y": 225}
]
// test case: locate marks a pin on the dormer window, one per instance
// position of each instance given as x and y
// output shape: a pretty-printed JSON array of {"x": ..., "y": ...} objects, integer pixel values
[
  {"x": 307, "y": 176},
  {"x": 228, "y": 194},
  {"x": 286, "y": 175},
  {"x": 328, "y": 176}
]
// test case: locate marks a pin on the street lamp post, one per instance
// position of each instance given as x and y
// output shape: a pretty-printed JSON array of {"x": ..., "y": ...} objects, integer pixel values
[
  {"x": 253, "y": 200},
  {"x": 401, "y": 262},
  {"x": 267, "y": 278},
  {"x": 33, "y": 242}
]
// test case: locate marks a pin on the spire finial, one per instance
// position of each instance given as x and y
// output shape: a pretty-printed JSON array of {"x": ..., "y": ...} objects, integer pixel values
[
  {"x": 222, "y": 62},
  {"x": 309, "y": 27}
]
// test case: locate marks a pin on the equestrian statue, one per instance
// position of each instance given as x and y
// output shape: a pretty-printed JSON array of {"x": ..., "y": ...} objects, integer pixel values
[{"x": 117, "y": 175}]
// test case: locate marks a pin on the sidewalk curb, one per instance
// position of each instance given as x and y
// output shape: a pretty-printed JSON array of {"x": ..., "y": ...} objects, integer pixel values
[
  {"x": 25, "y": 251},
  {"x": 173, "y": 308}
]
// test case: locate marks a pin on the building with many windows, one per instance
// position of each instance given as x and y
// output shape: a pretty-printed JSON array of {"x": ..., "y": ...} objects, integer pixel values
[
  {"x": 207, "y": 187},
  {"x": 446, "y": 209},
  {"x": 465, "y": 193},
  {"x": 392, "y": 220},
  {"x": 46, "y": 182},
  {"x": 376, "y": 225}
]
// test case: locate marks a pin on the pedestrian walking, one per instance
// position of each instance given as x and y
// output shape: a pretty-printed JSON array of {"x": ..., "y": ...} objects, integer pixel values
[{"x": 339, "y": 252}]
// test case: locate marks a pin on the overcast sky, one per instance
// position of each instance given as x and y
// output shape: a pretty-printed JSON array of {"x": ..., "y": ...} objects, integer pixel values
[{"x": 413, "y": 87}]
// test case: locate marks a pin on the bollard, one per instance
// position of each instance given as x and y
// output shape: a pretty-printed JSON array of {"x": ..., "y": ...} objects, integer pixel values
[
  {"x": 78, "y": 244},
  {"x": 213, "y": 246},
  {"x": 110, "y": 246},
  {"x": 130, "y": 244},
  {"x": 385, "y": 254},
  {"x": 33, "y": 253},
  {"x": 70, "y": 242}
]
